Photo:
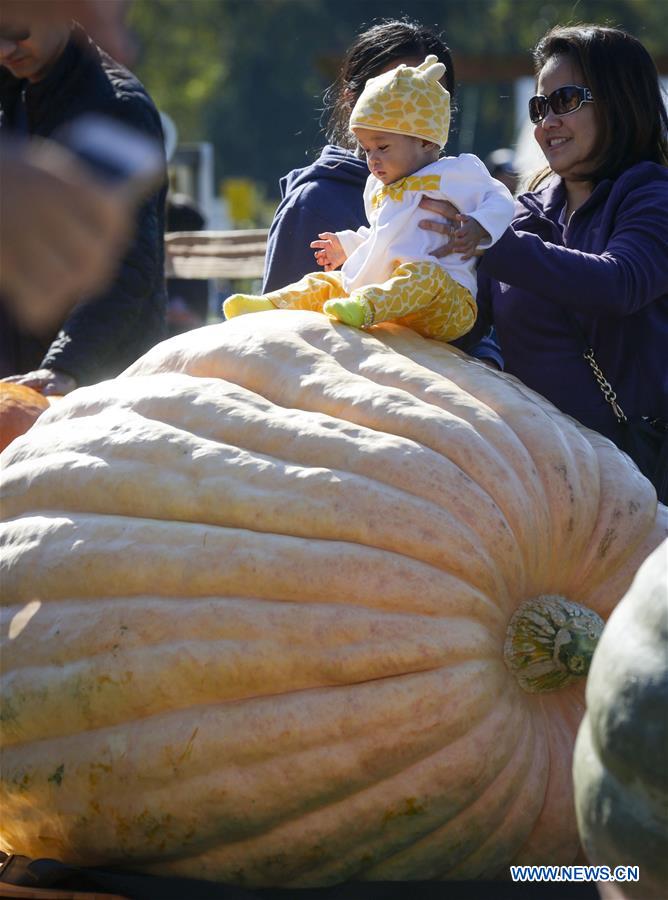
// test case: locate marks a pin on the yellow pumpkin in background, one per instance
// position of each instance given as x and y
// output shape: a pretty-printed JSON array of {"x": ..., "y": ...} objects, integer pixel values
[{"x": 288, "y": 604}]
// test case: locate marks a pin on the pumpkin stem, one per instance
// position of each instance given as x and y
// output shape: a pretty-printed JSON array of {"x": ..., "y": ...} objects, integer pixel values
[{"x": 550, "y": 642}]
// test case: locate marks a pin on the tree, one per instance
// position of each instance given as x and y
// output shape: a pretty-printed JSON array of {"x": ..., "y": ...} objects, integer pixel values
[
  {"x": 249, "y": 75},
  {"x": 182, "y": 57}
]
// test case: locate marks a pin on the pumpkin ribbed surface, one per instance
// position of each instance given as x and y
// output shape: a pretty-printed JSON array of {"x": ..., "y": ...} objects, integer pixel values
[{"x": 257, "y": 594}]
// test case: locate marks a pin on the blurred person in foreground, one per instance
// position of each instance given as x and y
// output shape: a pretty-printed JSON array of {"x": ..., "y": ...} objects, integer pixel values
[
  {"x": 51, "y": 73},
  {"x": 61, "y": 234},
  {"x": 48, "y": 199},
  {"x": 103, "y": 20}
]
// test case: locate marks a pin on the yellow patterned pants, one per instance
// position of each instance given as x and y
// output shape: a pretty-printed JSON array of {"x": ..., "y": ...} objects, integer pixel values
[{"x": 419, "y": 295}]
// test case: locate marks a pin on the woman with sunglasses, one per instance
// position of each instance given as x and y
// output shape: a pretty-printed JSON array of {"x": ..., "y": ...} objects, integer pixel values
[{"x": 584, "y": 265}]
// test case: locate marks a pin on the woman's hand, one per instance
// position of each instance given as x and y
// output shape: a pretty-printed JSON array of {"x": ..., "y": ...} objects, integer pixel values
[{"x": 451, "y": 224}]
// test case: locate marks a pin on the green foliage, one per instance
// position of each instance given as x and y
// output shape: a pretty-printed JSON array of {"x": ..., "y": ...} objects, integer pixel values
[
  {"x": 182, "y": 57},
  {"x": 513, "y": 25},
  {"x": 249, "y": 75}
]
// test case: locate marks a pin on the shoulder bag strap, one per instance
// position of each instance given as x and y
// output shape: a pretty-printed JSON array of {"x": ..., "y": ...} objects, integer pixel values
[{"x": 605, "y": 386}]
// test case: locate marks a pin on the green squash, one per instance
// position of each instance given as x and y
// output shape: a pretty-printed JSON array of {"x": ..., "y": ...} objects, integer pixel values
[{"x": 621, "y": 754}]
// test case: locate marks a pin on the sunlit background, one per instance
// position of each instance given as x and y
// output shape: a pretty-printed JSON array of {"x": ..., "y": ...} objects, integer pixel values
[{"x": 241, "y": 82}]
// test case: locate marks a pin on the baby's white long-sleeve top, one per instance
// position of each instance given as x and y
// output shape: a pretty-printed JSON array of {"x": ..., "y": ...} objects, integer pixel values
[{"x": 393, "y": 236}]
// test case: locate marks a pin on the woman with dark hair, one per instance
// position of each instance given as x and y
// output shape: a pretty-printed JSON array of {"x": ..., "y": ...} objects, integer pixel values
[
  {"x": 577, "y": 287},
  {"x": 328, "y": 194},
  {"x": 379, "y": 49}
]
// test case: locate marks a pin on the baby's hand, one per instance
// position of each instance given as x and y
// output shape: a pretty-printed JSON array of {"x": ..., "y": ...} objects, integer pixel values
[
  {"x": 468, "y": 236},
  {"x": 329, "y": 252}
]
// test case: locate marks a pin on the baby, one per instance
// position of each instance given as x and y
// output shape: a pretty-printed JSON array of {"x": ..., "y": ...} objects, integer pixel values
[{"x": 388, "y": 272}]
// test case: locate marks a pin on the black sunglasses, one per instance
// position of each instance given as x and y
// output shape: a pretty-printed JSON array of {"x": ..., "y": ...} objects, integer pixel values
[{"x": 564, "y": 100}]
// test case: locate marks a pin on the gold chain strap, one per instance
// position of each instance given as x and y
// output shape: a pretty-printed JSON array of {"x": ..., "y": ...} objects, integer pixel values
[{"x": 606, "y": 387}]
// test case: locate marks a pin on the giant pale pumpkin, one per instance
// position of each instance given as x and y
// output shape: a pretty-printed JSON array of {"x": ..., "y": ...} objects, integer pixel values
[{"x": 288, "y": 604}]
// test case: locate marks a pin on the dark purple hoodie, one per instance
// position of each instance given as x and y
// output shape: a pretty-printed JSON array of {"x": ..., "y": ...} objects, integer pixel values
[{"x": 609, "y": 269}]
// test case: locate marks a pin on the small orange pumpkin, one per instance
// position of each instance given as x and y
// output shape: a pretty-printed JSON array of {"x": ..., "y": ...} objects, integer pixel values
[{"x": 20, "y": 406}]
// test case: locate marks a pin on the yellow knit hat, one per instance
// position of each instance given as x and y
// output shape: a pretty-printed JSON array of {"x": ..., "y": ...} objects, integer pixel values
[{"x": 406, "y": 100}]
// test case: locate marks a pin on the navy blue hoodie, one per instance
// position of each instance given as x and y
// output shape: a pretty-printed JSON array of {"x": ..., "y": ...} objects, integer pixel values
[
  {"x": 324, "y": 196},
  {"x": 609, "y": 270}
]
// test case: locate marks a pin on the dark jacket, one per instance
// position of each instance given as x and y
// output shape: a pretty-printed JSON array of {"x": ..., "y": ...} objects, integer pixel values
[
  {"x": 608, "y": 269},
  {"x": 106, "y": 333},
  {"x": 325, "y": 196}
]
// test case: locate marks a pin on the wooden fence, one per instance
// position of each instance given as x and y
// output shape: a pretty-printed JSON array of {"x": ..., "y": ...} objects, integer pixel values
[{"x": 216, "y": 254}]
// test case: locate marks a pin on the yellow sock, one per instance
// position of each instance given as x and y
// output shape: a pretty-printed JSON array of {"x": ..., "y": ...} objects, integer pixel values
[{"x": 240, "y": 304}]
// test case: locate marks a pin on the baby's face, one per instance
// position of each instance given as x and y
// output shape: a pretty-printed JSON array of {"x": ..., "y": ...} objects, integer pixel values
[{"x": 393, "y": 156}]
